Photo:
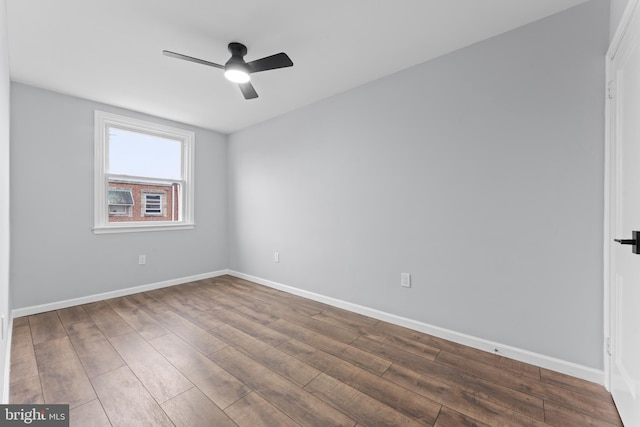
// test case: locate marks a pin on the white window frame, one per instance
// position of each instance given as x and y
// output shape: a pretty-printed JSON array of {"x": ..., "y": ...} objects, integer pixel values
[{"x": 103, "y": 121}]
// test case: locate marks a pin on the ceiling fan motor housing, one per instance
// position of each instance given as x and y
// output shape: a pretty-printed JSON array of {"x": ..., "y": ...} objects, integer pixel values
[
  {"x": 237, "y": 49},
  {"x": 237, "y": 62}
]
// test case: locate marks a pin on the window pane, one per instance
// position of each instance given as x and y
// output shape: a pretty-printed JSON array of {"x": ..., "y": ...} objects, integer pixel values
[
  {"x": 152, "y": 206},
  {"x": 139, "y": 154}
]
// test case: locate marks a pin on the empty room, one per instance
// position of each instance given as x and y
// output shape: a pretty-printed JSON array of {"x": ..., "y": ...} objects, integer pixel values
[{"x": 285, "y": 213}]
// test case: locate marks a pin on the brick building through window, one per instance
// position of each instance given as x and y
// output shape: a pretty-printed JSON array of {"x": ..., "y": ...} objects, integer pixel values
[{"x": 131, "y": 201}]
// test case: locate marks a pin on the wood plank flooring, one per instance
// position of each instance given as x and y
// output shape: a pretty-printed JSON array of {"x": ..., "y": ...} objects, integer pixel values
[{"x": 228, "y": 352}]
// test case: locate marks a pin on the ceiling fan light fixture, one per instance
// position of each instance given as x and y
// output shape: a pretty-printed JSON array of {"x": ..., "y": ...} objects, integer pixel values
[
  {"x": 237, "y": 75},
  {"x": 237, "y": 70}
]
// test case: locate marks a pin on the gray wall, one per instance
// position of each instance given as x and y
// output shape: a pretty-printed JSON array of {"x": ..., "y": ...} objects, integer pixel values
[
  {"x": 617, "y": 9},
  {"x": 4, "y": 191},
  {"x": 480, "y": 173},
  {"x": 55, "y": 254}
]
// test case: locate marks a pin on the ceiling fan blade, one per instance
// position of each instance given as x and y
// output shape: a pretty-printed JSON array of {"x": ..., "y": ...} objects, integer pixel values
[
  {"x": 192, "y": 59},
  {"x": 247, "y": 90},
  {"x": 279, "y": 60}
]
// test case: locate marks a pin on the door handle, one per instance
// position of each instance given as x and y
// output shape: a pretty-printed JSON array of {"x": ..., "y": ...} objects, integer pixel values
[
  {"x": 625, "y": 241},
  {"x": 634, "y": 242}
]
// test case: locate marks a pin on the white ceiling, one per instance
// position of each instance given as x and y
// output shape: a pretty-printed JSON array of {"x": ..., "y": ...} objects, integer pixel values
[{"x": 111, "y": 50}]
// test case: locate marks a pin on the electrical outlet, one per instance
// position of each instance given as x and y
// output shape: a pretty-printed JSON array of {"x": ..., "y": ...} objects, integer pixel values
[
  {"x": 276, "y": 257},
  {"x": 142, "y": 259},
  {"x": 405, "y": 280}
]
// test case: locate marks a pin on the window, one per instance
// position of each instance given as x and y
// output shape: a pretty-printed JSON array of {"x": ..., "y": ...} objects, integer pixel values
[
  {"x": 119, "y": 210},
  {"x": 143, "y": 175},
  {"x": 154, "y": 204},
  {"x": 120, "y": 202}
]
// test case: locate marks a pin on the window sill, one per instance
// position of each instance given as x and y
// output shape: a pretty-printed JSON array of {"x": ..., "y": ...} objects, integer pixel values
[{"x": 136, "y": 228}]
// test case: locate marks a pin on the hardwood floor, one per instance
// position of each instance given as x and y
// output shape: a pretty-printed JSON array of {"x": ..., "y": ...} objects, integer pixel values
[{"x": 226, "y": 352}]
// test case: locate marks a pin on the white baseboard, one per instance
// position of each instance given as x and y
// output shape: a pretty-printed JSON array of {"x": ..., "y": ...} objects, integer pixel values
[
  {"x": 26, "y": 311},
  {"x": 7, "y": 364},
  {"x": 543, "y": 361},
  {"x": 547, "y": 362}
]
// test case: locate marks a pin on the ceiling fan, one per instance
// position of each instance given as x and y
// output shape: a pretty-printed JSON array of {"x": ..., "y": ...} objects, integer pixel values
[{"x": 237, "y": 70}]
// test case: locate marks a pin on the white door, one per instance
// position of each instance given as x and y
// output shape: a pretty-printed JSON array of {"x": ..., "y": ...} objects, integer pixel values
[{"x": 624, "y": 217}]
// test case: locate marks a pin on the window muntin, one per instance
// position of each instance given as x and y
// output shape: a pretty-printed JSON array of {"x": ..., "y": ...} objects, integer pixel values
[{"x": 150, "y": 159}]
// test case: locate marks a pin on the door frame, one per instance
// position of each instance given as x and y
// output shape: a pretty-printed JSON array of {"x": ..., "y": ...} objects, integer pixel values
[{"x": 609, "y": 180}]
